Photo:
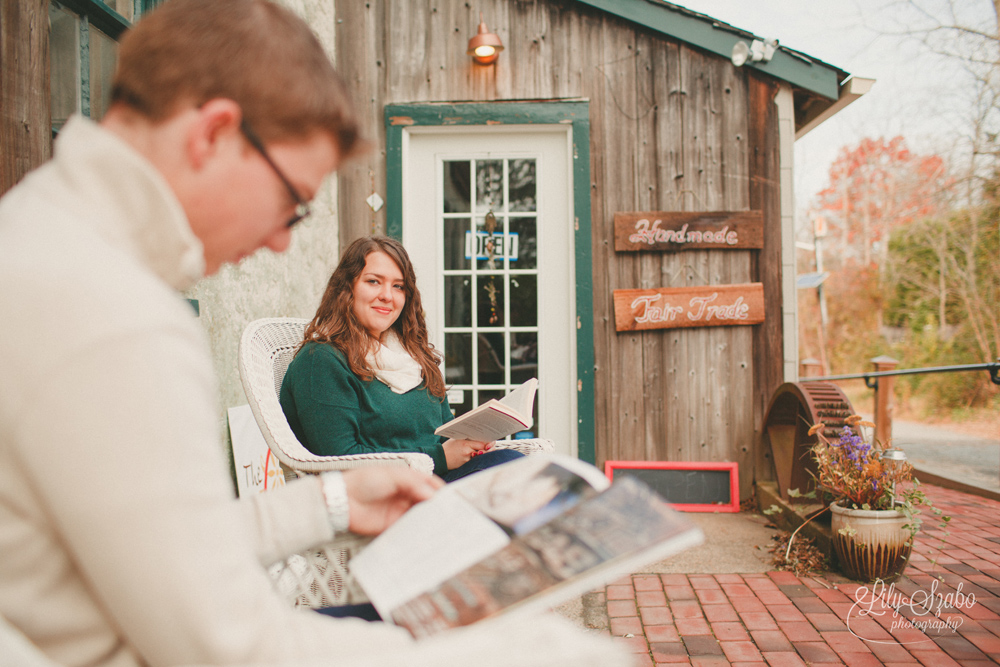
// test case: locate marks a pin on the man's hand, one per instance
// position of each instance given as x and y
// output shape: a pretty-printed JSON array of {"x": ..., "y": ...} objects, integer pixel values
[
  {"x": 458, "y": 452},
  {"x": 379, "y": 496}
]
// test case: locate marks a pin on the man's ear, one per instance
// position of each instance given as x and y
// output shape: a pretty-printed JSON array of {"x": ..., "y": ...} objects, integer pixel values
[{"x": 213, "y": 131}]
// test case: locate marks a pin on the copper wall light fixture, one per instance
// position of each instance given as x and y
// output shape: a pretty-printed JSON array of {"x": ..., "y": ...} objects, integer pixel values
[{"x": 486, "y": 46}]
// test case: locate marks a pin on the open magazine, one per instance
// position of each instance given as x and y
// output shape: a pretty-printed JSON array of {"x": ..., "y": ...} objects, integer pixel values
[
  {"x": 527, "y": 535},
  {"x": 495, "y": 419}
]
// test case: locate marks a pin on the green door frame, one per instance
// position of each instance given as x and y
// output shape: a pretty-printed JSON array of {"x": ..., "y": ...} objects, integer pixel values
[{"x": 574, "y": 113}]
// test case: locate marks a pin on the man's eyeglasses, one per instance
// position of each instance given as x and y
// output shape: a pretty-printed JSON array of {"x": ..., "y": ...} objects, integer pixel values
[{"x": 302, "y": 207}]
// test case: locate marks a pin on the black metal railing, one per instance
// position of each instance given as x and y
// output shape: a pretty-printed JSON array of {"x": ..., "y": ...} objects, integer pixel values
[
  {"x": 871, "y": 379},
  {"x": 885, "y": 367}
]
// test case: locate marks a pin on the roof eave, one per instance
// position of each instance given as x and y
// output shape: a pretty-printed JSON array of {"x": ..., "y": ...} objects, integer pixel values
[
  {"x": 714, "y": 36},
  {"x": 851, "y": 90}
]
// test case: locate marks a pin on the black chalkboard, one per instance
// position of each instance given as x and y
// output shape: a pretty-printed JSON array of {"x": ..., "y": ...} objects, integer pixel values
[{"x": 709, "y": 488}]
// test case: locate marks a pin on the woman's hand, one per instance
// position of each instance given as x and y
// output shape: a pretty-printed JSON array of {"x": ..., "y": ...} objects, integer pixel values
[{"x": 458, "y": 452}]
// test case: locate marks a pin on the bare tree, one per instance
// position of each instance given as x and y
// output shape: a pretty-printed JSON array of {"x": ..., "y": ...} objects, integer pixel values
[{"x": 965, "y": 34}]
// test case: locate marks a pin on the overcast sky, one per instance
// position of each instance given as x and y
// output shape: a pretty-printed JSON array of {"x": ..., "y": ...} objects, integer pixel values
[{"x": 916, "y": 94}]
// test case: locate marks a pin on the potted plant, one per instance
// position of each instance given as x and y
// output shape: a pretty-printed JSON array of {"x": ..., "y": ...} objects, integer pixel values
[{"x": 876, "y": 502}]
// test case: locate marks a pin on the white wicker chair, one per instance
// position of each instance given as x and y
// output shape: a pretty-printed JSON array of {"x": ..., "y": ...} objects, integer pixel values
[
  {"x": 266, "y": 348},
  {"x": 318, "y": 578}
]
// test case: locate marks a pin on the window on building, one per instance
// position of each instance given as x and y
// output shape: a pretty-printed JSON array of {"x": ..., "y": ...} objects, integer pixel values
[{"x": 83, "y": 49}]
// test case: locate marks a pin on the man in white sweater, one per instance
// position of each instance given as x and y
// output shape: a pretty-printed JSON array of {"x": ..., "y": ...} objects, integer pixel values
[{"x": 120, "y": 541}]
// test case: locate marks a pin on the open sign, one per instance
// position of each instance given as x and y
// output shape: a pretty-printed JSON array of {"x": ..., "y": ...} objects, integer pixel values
[{"x": 503, "y": 245}]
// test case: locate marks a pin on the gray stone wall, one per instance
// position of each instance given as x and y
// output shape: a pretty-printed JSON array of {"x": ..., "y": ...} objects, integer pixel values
[{"x": 268, "y": 284}]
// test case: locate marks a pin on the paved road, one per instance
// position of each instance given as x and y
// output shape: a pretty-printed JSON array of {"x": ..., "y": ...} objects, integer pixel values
[{"x": 965, "y": 458}]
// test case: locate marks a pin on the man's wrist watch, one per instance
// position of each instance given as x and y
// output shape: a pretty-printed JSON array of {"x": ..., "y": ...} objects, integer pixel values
[{"x": 337, "y": 504}]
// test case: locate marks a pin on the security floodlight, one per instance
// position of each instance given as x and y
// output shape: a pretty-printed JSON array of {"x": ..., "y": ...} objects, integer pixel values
[{"x": 741, "y": 52}]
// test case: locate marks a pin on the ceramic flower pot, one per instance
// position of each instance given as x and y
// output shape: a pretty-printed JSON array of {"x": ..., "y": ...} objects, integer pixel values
[{"x": 870, "y": 544}]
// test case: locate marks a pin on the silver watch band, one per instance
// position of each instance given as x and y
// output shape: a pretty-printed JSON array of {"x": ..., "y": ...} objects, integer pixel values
[{"x": 337, "y": 504}]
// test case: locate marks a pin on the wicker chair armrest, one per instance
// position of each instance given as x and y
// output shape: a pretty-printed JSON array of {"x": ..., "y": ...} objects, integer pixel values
[
  {"x": 528, "y": 446},
  {"x": 421, "y": 462}
]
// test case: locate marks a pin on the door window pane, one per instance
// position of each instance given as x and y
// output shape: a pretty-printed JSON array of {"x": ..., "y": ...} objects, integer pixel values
[
  {"x": 491, "y": 358},
  {"x": 492, "y": 245},
  {"x": 458, "y": 301},
  {"x": 489, "y": 185},
  {"x": 461, "y": 401},
  {"x": 455, "y": 233},
  {"x": 526, "y": 237},
  {"x": 458, "y": 359},
  {"x": 491, "y": 300},
  {"x": 523, "y": 356},
  {"x": 523, "y": 300},
  {"x": 487, "y": 394},
  {"x": 522, "y": 185},
  {"x": 457, "y": 175}
]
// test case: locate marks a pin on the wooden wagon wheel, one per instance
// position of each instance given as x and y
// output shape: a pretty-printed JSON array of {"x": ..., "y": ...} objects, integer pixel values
[{"x": 794, "y": 408}]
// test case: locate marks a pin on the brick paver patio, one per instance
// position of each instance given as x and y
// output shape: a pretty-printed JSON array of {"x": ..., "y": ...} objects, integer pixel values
[{"x": 944, "y": 611}]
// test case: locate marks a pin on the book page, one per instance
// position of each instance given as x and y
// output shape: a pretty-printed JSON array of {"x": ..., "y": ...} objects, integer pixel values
[
  {"x": 433, "y": 541},
  {"x": 495, "y": 419},
  {"x": 522, "y": 399},
  {"x": 483, "y": 424}
]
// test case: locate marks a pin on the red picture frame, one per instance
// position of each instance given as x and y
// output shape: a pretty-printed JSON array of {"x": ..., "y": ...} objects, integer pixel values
[{"x": 734, "y": 480}]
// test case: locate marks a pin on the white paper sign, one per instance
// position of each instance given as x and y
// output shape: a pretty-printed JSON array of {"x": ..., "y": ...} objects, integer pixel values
[{"x": 257, "y": 470}]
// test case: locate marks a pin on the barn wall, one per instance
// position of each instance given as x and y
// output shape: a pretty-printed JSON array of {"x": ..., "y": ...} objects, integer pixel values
[
  {"x": 25, "y": 127},
  {"x": 672, "y": 128}
]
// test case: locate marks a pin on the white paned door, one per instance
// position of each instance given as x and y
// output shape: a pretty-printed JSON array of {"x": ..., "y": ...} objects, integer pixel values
[{"x": 488, "y": 222}]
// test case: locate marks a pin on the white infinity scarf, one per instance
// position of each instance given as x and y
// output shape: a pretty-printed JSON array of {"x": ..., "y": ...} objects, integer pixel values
[{"x": 394, "y": 366}]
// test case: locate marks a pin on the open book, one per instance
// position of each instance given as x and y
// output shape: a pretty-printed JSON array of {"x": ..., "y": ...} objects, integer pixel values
[
  {"x": 495, "y": 419},
  {"x": 527, "y": 535}
]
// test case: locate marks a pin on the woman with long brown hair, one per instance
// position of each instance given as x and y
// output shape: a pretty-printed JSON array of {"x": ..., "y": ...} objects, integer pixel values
[{"x": 366, "y": 378}]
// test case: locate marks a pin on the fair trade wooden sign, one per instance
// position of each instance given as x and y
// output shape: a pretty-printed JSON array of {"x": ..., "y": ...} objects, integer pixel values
[
  {"x": 684, "y": 307},
  {"x": 678, "y": 230}
]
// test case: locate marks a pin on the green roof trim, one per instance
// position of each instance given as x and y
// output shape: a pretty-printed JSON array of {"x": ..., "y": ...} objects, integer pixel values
[{"x": 718, "y": 37}]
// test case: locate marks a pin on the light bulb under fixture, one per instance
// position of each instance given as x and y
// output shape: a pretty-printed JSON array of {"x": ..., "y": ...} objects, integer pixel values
[
  {"x": 756, "y": 52},
  {"x": 741, "y": 52},
  {"x": 485, "y": 46}
]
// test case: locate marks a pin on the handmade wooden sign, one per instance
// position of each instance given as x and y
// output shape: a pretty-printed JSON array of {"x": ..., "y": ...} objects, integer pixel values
[
  {"x": 681, "y": 307},
  {"x": 679, "y": 230}
]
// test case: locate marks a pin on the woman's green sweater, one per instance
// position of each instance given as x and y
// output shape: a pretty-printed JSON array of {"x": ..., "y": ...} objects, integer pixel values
[{"x": 333, "y": 412}]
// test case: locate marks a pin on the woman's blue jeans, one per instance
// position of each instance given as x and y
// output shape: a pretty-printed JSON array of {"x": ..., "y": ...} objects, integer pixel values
[{"x": 494, "y": 457}]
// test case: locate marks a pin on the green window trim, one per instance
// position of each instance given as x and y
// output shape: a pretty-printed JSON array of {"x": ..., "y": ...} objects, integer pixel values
[
  {"x": 575, "y": 113},
  {"x": 94, "y": 15},
  {"x": 100, "y": 16}
]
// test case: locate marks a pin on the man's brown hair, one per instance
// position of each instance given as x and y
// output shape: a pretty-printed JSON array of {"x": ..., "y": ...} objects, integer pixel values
[{"x": 260, "y": 55}]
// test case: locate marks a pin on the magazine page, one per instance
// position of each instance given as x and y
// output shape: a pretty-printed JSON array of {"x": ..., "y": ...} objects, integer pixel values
[
  {"x": 528, "y": 492},
  {"x": 467, "y": 521},
  {"x": 431, "y": 542},
  {"x": 604, "y": 537}
]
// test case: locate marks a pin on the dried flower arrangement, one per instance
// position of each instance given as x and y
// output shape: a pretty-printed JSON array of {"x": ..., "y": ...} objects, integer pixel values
[{"x": 859, "y": 473}]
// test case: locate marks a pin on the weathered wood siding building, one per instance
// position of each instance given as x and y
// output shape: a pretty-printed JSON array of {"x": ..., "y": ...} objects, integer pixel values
[{"x": 672, "y": 127}]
